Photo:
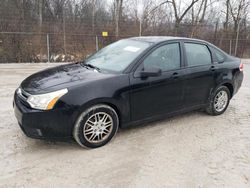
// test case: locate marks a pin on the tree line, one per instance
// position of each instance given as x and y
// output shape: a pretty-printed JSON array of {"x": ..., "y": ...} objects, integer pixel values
[{"x": 72, "y": 29}]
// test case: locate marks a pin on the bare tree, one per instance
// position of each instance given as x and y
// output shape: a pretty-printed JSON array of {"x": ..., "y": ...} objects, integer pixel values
[
  {"x": 93, "y": 15},
  {"x": 118, "y": 13},
  {"x": 198, "y": 17},
  {"x": 238, "y": 11},
  {"x": 40, "y": 12},
  {"x": 180, "y": 15},
  {"x": 73, "y": 24}
]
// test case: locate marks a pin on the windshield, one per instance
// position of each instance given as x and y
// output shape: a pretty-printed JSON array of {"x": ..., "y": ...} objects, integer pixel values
[{"x": 117, "y": 56}]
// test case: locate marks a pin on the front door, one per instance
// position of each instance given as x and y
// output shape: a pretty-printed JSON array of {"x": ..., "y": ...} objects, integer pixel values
[{"x": 162, "y": 94}]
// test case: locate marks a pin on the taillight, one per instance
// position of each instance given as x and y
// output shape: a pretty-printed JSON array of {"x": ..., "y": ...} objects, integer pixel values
[{"x": 241, "y": 67}]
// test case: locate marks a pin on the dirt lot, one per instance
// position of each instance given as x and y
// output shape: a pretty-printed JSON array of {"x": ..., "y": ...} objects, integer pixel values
[{"x": 190, "y": 150}]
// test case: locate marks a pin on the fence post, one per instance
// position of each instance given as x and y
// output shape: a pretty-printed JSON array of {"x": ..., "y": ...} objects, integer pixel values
[
  {"x": 96, "y": 43},
  {"x": 48, "y": 55},
  {"x": 237, "y": 38},
  {"x": 140, "y": 27},
  {"x": 230, "y": 47}
]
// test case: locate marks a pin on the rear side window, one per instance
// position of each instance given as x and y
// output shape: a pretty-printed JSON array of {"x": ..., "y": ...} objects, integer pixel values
[
  {"x": 197, "y": 54},
  {"x": 219, "y": 56}
]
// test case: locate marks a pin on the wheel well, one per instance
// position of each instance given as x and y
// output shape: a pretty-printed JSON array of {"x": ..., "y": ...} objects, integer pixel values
[
  {"x": 230, "y": 87},
  {"x": 85, "y": 107}
]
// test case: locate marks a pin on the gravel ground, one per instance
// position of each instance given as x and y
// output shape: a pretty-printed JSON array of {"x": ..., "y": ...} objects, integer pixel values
[{"x": 190, "y": 150}]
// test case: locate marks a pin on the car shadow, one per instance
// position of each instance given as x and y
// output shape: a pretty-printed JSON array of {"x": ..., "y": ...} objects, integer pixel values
[
  {"x": 161, "y": 121},
  {"x": 70, "y": 144}
]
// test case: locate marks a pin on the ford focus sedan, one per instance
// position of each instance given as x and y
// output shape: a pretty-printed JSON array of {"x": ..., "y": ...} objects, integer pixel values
[{"x": 129, "y": 82}]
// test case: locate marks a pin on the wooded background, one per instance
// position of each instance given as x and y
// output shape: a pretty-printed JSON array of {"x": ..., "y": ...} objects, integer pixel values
[{"x": 68, "y": 30}]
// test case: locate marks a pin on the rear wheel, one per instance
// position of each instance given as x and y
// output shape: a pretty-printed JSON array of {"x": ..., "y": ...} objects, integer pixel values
[
  {"x": 96, "y": 126},
  {"x": 219, "y": 101}
]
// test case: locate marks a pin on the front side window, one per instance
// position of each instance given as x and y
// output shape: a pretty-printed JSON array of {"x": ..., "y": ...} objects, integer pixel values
[
  {"x": 197, "y": 54},
  {"x": 166, "y": 58}
]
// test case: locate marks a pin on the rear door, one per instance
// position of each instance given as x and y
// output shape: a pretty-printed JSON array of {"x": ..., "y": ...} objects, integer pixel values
[{"x": 199, "y": 75}]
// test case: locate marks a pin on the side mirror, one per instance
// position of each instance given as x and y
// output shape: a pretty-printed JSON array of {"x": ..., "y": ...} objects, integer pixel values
[{"x": 150, "y": 72}]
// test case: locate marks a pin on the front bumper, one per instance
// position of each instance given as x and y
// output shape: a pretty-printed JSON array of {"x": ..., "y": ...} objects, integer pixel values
[{"x": 51, "y": 124}]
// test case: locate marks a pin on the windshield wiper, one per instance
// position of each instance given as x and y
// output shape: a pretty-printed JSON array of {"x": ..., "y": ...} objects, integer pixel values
[{"x": 90, "y": 66}]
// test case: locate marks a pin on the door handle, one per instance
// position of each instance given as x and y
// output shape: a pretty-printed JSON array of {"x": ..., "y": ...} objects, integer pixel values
[
  {"x": 175, "y": 75},
  {"x": 212, "y": 68}
]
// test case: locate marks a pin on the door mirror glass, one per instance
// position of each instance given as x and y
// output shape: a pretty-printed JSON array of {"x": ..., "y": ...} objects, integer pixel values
[{"x": 150, "y": 72}]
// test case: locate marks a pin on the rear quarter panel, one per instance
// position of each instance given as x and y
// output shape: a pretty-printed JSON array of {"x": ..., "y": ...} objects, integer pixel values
[{"x": 228, "y": 73}]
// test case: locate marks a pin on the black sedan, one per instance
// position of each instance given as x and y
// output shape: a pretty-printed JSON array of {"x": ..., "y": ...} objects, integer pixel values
[{"x": 131, "y": 81}]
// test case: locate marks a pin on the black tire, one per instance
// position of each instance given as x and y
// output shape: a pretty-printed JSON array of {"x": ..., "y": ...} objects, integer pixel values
[
  {"x": 80, "y": 125},
  {"x": 211, "y": 109}
]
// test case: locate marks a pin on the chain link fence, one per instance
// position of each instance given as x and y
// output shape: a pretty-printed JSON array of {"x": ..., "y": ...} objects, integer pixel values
[{"x": 53, "y": 47}]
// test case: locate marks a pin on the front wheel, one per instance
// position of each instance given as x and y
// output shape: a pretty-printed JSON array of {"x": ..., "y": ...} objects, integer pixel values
[
  {"x": 96, "y": 126},
  {"x": 219, "y": 101}
]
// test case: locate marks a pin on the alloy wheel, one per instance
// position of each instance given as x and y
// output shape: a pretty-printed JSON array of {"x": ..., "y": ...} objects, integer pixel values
[
  {"x": 220, "y": 101},
  {"x": 98, "y": 127}
]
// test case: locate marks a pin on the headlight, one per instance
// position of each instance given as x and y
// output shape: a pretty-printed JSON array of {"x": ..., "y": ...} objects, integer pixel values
[{"x": 45, "y": 101}]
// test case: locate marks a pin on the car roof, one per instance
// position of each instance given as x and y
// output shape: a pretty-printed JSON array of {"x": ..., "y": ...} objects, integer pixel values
[{"x": 157, "y": 39}]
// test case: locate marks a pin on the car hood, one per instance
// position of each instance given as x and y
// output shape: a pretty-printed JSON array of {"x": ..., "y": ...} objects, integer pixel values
[{"x": 57, "y": 77}]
